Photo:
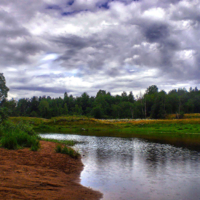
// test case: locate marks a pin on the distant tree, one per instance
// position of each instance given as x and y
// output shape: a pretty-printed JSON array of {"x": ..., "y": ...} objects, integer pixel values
[
  {"x": 115, "y": 111},
  {"x": 4, "y": 111},
  {"x": 153, "y": 89},
  {"x": 23, "y": 106},
  {"x": 131, "y": 98},
  {"x": 65, "y": 110},
  {"x": 97, "y": 112},
  {"x": 11, "y": 105},
  {"x": 158, "y": 110},
  {"x": 84, "y": 102},
  {"x": 33, "y": 114},
  {"x": 44, "y": 108},
  {"x": 124, "y": 96},
  {"x": 3, "y": 88},
  {"x": 78, "y": 110},
  {"x": 101, "y": 93}
]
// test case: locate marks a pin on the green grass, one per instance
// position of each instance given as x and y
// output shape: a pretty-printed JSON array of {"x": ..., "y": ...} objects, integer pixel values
[
  {"x": 66, "y": 150},
  {"x": 14, "y": 136},
  {"x": 174, "y": 131},
  {"x": 58, "y": 149},
  {"x": 171, "y": 128},
  {"x": 66, "y": 142}
]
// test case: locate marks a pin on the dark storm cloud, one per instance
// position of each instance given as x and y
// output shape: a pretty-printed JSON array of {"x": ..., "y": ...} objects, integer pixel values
[
  {"x": 58, "y": 90},
  {"x": 111, "y": 39},
  {"x": 156, "y": 32},
  {"x": 10, "y": 28}
]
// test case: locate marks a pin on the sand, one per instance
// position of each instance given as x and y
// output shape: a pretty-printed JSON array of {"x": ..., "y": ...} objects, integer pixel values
[{"x": 44, "y": 174}]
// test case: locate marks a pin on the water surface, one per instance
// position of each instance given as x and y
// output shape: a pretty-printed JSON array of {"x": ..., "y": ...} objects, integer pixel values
[{"x": 137, "y": 169}]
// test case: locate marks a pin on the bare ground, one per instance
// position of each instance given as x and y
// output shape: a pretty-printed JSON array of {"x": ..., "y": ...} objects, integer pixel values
[{"x": 41, "y": 175}]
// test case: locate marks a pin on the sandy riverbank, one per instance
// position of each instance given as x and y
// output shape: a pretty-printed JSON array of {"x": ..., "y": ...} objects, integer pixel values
[{"x": 41, "y": 175}]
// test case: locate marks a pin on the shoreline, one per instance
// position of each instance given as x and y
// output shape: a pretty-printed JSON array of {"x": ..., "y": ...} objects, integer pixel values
[{"x": 43, "y": 174}]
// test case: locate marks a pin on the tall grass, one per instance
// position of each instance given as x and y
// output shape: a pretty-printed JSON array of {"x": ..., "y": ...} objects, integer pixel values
[
  {"x": 91, "y": 126},
  {"x": 18, "y": 136},
  {"x": 66, "y": 150},
  {"x": 66, "y": 142}
]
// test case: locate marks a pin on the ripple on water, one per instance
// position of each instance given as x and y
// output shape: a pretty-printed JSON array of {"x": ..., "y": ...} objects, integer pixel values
[{"x": 131, "y": 168}]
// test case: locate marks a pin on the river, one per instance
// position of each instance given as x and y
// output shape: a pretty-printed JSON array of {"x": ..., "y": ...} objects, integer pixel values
[{"x": 137, "y": 169}]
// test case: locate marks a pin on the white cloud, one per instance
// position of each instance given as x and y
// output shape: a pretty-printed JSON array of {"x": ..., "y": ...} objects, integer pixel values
[{"x": 48, "y": 47}]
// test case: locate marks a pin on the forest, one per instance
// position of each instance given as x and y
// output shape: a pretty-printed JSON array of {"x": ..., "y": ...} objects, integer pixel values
[{"x": 153, "y": 104}]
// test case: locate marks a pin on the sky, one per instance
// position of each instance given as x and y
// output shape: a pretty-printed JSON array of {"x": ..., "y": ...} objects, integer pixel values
[{"x": 48, "y": 47}]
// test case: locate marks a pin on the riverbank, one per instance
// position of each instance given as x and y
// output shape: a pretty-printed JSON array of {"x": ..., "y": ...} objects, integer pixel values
[
  {"x": 70, "y": 124},
  {"x": 44, "y": 174},
  {"x": 173, "y": 131}
]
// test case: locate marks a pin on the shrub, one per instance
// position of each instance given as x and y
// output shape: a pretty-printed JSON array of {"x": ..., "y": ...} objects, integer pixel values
[
  {"x": 65, "y": 150},
  {"x": 26, "y": 128},
  {"x": 58, "y": 148},
  {"x": 4, "y": 114},
  {"x": 18, "y": 136},
  {"x": 9, "y": 141},
  {"x": 72, "y": 153},
  {"x": 35, "y": 145}
]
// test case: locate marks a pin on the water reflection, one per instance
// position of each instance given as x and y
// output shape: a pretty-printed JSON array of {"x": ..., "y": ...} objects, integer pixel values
[{"x": 131, "y": 168}]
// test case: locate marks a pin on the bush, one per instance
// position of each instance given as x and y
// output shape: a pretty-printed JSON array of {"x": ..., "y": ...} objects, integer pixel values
[
  {"x": 4, "y": 114},
  {"x": 18, "y": 136},
  {"x": 35, "y": 145},
  {"x": 9, "y": 141},
  {"x": 58, "y": 149},
  {"x": 26, "y": 128},
  {"x": 65, "y": 150}
]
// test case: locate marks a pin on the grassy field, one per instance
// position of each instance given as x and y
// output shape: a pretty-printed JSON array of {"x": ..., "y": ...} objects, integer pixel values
[
  {"x": 140, "y": 126},
  {"x": 188, "y": 127}
]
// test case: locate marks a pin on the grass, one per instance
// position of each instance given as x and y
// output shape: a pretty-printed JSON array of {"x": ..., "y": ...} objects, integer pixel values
[
  {"x": 184, "y": 131},
  {"x": 188, "y": 128},
  {"x": 66, "y": 142},
  {"x": 186, "y": 116},
  {"x": 67, "y": 150},
  {"x": 58, "y": 149},
  {"x": 18, "y": 136},
  {"x": 64, "y": 150}
]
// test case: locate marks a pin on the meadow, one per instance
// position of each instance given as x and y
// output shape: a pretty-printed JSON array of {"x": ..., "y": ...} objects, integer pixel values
[{"x": 186, "y": 130}]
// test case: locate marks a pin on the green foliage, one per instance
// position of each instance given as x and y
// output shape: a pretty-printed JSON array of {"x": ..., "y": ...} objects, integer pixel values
[
  {"x": 66, "y": 142},
  {"x": 4, "y": 114},
  {"x": 153, "y": 89},
  {"x": 9, "y": 141},
  {"x": 26, "y": 128},
  {"x": 18, "y": 136},
  {"x": 3, "y": 88},
  {"x": 58, "y": 149},
  {"x": 44, "y": 108},
  {"x": 97, "y": 112},
  {"x": 33, "y": 114},
  {"x": 152, "y": 104},
  {"x": 35, "y": 144},
  {"x": 66, "y": 150}
]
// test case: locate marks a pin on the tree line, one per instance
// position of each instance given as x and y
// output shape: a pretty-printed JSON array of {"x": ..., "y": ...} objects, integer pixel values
[{"x": 152, "y": 104}]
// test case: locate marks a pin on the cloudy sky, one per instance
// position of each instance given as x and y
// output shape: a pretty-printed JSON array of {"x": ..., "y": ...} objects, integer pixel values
[{"x": 48, "y": 47}]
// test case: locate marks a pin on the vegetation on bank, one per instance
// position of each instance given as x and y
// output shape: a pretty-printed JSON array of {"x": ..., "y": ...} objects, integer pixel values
[
  {"x": 20, "y": 133},
  {"x": 93, "y": 126},
  {"x": 66, "y": 150},
  {"x": 173, "y": 131},
  {"x": 64, "y": 142},
  {"x": 63, "y": 147},
  {"x": 15, "y": 136}
]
